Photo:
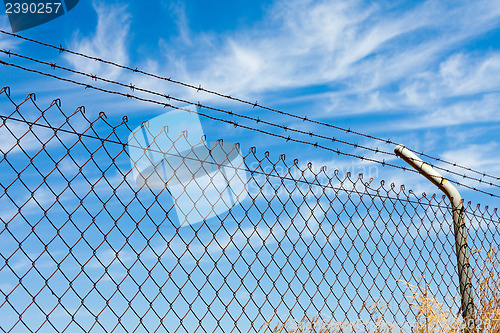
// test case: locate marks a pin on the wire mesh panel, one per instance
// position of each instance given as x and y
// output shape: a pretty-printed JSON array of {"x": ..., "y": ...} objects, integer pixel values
[{"x": 109, "y": 229}]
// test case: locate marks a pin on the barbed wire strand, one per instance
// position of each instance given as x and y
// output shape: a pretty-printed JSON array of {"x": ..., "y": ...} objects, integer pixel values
[
  {"x": 253, "y": 104},
  {"x": 257, "y": 120},
  {"x": 289, "y": 138},
  {"x": 197, "y": 104}
]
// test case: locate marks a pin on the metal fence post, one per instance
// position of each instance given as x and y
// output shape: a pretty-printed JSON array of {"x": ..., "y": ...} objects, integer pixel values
[{"x": 464, "y": 270}]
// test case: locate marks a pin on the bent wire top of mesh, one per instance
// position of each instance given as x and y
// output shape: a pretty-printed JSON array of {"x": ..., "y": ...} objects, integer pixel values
[{"x": 113, "y": 229}]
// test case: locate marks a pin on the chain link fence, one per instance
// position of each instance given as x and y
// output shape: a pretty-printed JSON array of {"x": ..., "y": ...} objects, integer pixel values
[{"x": 86, "y": 247}]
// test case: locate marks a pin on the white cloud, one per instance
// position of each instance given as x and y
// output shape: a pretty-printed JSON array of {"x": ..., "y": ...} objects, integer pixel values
[
  {"x": 479, "y": 157},
  {"x": 28, "y": 204},
  {"x": 110, "y": 257},
  {"x": 459, "y": 75},
  {"x": 305, "y": 43},
  {"x": 108, "y": 42},
  {"x": 17, "y": 137},
  {"x": 177, "y": 9},
  {"x": 483, "y": 109},
  {"x": 7, "y": 42}
]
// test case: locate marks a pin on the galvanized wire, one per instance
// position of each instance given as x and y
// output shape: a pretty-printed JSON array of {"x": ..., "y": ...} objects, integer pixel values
[{"x": 84, "y": 248}]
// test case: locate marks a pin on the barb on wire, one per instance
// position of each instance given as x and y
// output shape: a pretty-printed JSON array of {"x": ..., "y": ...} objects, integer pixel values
[{"x": 254, "y": 104}]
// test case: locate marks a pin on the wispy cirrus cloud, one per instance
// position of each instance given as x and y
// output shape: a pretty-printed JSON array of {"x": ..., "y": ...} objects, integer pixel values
[
  {"x": 312, "y": 43},
  {"x": 459, "y": 75},
  {"x": 351, "y": 57}
]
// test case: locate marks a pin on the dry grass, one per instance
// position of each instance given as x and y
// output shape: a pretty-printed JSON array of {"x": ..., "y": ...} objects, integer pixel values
[
  {"x": 487, "y": 302},
  {"x": 318, "y": 324},
  {"x": 430, "y": 315}
]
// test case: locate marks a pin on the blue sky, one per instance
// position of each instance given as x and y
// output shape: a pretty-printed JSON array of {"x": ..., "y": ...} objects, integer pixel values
[{"x": 422, "y": 73}]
